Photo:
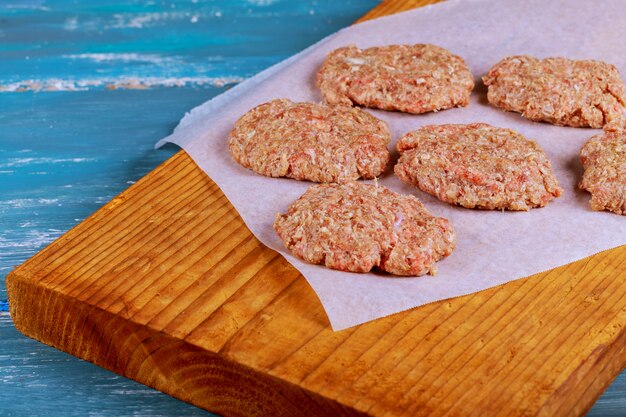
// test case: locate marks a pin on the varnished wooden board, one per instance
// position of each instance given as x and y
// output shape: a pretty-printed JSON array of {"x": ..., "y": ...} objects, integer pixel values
[{"x": 167, "y": 286}]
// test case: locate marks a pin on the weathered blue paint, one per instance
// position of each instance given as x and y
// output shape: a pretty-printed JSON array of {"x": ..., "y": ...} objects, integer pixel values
[
  {"x": 63, "y": 154},
  {"x": 69, "y": 153},
  {"x": 66, "y": 44}
]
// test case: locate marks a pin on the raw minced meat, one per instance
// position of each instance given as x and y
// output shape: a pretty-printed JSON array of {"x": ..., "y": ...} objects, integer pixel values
[
  {"x": 557, "y": 90},
  {"x": 409, "y": 78},
  {"x": 307, "y": 141},
  {"x": 604, "y": 160},
  {"x": 356, "y": 227},
  {"x": 477, "y": 166}
]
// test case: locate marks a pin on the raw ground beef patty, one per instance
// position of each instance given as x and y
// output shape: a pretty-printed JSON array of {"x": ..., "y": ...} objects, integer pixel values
[
  {"x": 557, "y": 90},
  {"x": 477, "y": 166},
  {"x": 604, "y": 160},
  {"x": 409, "y": 78},
  {"x": 356, "y": 227},
  {"x": 307, "y": 141}
]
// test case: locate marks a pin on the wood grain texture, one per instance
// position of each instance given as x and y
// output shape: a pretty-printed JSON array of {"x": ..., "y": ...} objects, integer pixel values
[
  {"x": 64, "y": 154},
  {"x": 166, "y": 285}
]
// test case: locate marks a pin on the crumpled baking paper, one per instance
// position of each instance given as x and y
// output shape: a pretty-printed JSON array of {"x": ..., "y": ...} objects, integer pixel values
[{"x": 493, "y": 247}]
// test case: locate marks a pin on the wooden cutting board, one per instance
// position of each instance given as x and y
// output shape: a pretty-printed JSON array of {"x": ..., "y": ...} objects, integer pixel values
[{"x": 167, "y": 286}]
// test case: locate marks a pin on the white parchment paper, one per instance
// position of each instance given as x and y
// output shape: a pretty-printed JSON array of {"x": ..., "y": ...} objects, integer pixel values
[{"x": 493, "y": 247}]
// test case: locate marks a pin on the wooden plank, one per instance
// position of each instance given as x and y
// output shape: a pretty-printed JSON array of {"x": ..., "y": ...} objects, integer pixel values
[{"x": 166, "y": 285}]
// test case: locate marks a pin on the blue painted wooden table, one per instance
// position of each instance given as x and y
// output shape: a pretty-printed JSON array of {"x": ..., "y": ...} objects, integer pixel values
[{"x": 86, "y": 88}]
